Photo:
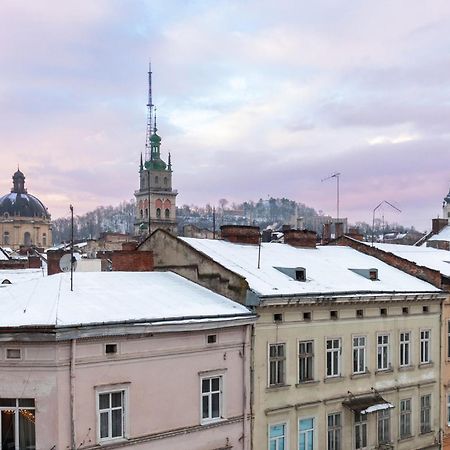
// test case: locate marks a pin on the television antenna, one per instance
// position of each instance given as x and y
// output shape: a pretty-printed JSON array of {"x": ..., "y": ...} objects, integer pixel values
[{"x": 335, "y": 175}]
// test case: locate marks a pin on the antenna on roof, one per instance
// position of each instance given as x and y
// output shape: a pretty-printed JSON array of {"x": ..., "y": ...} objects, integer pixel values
[
  {"x": 335, "y": 175},
  {"x": 71, "y": 248},
  {"x": 373, "y": 215}
]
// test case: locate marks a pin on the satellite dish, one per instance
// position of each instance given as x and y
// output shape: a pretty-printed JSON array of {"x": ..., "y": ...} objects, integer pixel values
[{"x": 64, "y": 263}]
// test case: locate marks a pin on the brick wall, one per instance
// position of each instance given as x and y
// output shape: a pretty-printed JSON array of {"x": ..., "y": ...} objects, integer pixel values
[
  {"x": 300, "y": 238},
  {"x": 132, "y": 261},
  {"x": 240, "y": 234}
]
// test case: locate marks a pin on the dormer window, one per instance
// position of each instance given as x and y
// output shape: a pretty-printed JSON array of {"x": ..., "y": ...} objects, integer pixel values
[
  {"x": 296, "y": 273},
  {"x": 373, "y": 274},
  {"x": 370, "y": 274}
]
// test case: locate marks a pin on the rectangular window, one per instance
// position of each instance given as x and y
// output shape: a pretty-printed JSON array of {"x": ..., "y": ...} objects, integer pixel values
[
  {"x": 111, "y": 414},
  {"x": 425, "y": 345},
  {"x": 405, "y": 418},
  {"x": 448, "y": 410},
  {"x": 13, "y": 353},
  {"x": 277, "y": 364},
  {"x": 359, "y": 354},
  {"x": 306, "y": 434},
  {"x": 425, "y": 413},
  {"x": 212, "y": 393},
  {"x": 305, "y": 361},
  {"x": 277, "y": 437},
  {"x": 360, "y": 431},
  {"x": 384, "y": 426},
  {"x": 383, "y": 352},
  {"x": 334, "y": 431},
  {"x": 405, "y": 349},
  {"x": 333, "y": 357},
  {"x": 17, "y": 419}
]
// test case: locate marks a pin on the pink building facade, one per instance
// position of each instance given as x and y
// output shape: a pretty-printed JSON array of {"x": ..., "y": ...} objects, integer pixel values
[{"x": 160, "y": 379}]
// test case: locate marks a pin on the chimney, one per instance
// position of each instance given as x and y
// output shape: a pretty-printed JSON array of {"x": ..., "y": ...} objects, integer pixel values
[
  {"x": 326, "y": 233},
  {"x": 129, "y": 246},
  {"x": 300, "y": 223},
  {"x": 300, "y": 238},
  {"x": 240, "y": 234},
  {"x": 438, "y": 224},
  {"x": 338, "y": 229},
  {"x": 34, "y": 262},
  {"x": 53, "y": 257},
  {"x": 132, "y": 260},
  {"x": 355, "y": 234}
]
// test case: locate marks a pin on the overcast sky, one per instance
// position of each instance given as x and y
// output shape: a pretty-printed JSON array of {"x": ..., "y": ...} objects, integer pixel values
[{"x": 254, "y": 98}]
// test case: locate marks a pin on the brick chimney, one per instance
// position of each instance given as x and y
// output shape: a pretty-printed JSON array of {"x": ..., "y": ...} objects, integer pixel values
[
  {"x": 354, "y": 233},
  {"x": 240, "y": 234},
  {"x": 438, "y": 224},
  {"x": 326, "y": 233},
  {"x": 338, "y": 230},
  {"x": 300, "y": 238},
  {"x": 53, "y": 257},
  {"x": 34, "y": 262},
  {"x": 131, "y": 260}
]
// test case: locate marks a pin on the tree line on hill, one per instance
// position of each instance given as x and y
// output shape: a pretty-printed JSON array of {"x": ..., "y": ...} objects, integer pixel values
[{"x": 271, "y": 213}]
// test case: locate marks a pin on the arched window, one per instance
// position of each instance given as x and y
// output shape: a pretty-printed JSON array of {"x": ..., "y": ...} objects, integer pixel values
[
  {"x": 44, "y": 239},
  {"x": 142, "y": 214},
  {"x": 158, "y": 213},
  {"x": 27, "y": 238},
  {"x": 167, "y": 213},
  {"x": 146, "y": 212},
  {"x": 6, "y": 237}
]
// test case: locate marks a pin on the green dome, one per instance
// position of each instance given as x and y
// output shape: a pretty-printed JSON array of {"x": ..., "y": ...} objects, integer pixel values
[
  {"x": 156, "y": 164},
  {"x": 154, "y": 138}
]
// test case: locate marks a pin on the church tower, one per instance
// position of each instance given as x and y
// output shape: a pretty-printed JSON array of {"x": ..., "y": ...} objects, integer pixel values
[
  {"x": 446, "y": 207},
  {"x": 155, "y": 199}
]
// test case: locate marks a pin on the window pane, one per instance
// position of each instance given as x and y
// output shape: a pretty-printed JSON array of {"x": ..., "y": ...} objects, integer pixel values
[
  {"x": 205, "y": 385},
  {"x": 104, "y": 425},
  {"x": 8, "y": 429},
  {"x": 26, "y": 402},
  {"x": 27, "y": 434},
  {"x": 116, "y": 399},
  {"x": 103, "y": 401},
  {"x": 215, "y": 384},
  {"x": 276, "y": 430},
  {"x": 116, "y": 422},
  {"x": 306, "y": 424},
  {"x": 215, "y": 405},
  {"x": 205, "y": 407}
]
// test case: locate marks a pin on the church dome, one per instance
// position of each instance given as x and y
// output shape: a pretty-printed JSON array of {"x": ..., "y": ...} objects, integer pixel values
[{"x": 19, "y": 203}]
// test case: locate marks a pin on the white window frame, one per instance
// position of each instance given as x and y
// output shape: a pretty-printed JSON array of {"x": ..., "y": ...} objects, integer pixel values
[
  {"x": 359, "y": 352},
  {"x": 125, "y": 411},
  {"x": 425, "y": 410},
  {"x": 335, "y": 431},
  {"x": 305, "y": 355},
  {"x": 405, "y": 415},
  {"x": 209, "y": 419},
  {"x": 310, "y": 431},
  {"x": 425, "y": 346},
  {"x": 385, "y": 349},
  {"x": 277, "y": 360},
  {"x": 405, "y": 349},
  {"x": 277, "y": 439},
  {"x": 360, "y": 426},
  {"x": 334, "y": 371},
  {"x": 384, "y": 426}
]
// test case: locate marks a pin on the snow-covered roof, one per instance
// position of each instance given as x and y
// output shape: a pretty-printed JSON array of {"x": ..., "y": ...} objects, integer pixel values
[
  {"x": 108, "y": 297},
  {"x": 432, "y": 258},
  {"x": 21, "y": 275},
  {"x": 328, "y": 269},
  {"x": 443, "y": 235},
  {"x": 3, "y": 255}
]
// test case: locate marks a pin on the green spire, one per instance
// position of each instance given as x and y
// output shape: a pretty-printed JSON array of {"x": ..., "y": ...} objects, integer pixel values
[{"x": 155, "y": 151}]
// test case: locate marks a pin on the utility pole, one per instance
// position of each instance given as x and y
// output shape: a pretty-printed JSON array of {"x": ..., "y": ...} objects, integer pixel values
[
  {"x": 71, "y": 248},
  {"x": 335, "y": 175}
]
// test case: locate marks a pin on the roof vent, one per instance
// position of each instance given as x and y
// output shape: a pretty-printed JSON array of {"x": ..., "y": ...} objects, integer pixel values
[
  {"x": 370, "y": 274},
  {"x": 297, "y": 273}
]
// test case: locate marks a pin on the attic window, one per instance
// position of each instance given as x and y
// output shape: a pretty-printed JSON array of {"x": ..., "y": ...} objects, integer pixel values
[
  {"x": 383, "y": 312},
  {"x": 373, "y": 274},
  {"x": 297, "y": 273},
  {"x": 278, "y": 317},
  {"x": 359, "y": 313},
  {"x": 370, "y": 274},
  {"x": 300, "y": 274},
  {"x": 405, "y": 310},
  {"x": 425, "y": 309},
  {"x": 307, "y": 316},
  {"x": 211, "y": 338},
  {"x": 333, "y": 314},
  {"x": 13, "y": 353},
  {"x": 110, "y": 349},
  {"x": 6, "y": 281}
]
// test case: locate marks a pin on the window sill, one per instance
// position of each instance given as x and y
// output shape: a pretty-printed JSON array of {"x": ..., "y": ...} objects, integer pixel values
[
  {"x": 307, "y": 383},
  {"x": 110, "y": 441},
  {"x": 355, "y": 376},
  {"x": 406, "y": 368},
  {"x": 277, "y": 387},
  {"x": 333, "y": 379},
  {"x": 426, "y": 432},
  {"x": 384, "y": 371},
  {"x": 406, "y": 438},
  {"x": 210, "y": 421},
  {"x": 426, "y": 365}
]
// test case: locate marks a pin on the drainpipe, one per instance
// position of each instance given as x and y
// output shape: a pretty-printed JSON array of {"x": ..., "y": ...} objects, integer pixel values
[
  {"x": 246, "y": 380},
  {"x": 73, "y": 343}
]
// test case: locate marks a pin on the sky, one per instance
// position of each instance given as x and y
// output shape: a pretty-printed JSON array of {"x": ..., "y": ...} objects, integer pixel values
[{"x": 254, "y": 99}]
